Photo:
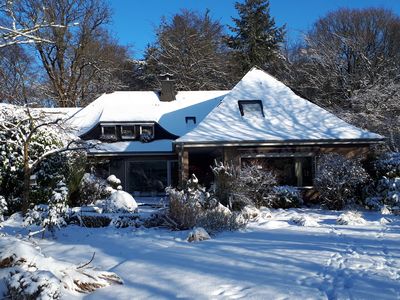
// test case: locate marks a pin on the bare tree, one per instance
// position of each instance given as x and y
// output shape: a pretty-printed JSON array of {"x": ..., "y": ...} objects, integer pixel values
[
  {"x": 17, "y": 75},
  {"x": 191, "y": 47},
  {"x": 14, "y": 30}
]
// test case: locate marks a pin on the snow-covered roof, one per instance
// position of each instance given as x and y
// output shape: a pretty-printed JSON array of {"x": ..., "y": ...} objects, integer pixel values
[
  {"x": 132, "y": 147},
  {"x": 138, "y": 106},
  {"x": 287, "y": 117}
]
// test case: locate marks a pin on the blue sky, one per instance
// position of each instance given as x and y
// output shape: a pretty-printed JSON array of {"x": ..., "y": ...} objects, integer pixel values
[{"x": 134, "y": 21}]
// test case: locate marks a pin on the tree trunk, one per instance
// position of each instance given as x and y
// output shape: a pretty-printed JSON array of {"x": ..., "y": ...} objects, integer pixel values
[{"x": 27, "y": 179}]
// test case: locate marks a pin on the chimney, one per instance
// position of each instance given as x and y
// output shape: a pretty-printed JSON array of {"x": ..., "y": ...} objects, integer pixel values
[{"x": 167, "y": 92}]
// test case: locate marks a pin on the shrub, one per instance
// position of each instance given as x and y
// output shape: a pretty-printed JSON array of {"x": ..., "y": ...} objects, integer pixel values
[
  {"x": 3, "y": 208},
  {"x": 388, "y": 165},
  {"x": 248, "y": 186},
  {"x": 384, "y": 193},
  {"x": 224, "y": 182},
  {"x": 52, "y": 215},
  {"x": 193, "y": 206},
  {"x": 284, "y": 197},
  {"x": 93, "y": 188},
  {"x": 185, "y": 206},
  {"x": 339, "y": 180}
]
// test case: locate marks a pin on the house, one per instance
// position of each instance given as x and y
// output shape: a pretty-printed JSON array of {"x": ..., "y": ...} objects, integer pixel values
[{"x": 152, "y": 140}]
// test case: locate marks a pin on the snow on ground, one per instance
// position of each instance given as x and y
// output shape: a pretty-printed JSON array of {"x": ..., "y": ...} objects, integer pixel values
[{"x": 274, "y": 258}]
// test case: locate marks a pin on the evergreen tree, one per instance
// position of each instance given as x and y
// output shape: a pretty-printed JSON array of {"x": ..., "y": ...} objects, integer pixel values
[{"x": 256, "y": 38}]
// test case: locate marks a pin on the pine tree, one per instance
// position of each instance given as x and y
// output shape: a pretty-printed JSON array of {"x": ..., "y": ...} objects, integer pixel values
[{"x": 256, "y": 38}]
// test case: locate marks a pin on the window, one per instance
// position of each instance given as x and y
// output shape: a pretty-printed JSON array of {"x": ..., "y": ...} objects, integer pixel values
[
  {"x": 190, "y": 121},
  {"x": 251, "y": 108},
  {"x": 147, "y": 130},
  {"x": 295, "y": 171},
  {"x": 108, "y": 131},
  {"x": 128, "y": 131},
  {"x": 147, "y": 178}
]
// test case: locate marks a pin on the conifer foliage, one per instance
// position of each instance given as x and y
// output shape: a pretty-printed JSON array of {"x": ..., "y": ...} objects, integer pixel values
[{"x": 256, "y": 38}]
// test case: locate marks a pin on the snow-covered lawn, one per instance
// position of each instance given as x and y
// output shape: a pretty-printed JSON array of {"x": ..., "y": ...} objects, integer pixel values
[{"x": 293, "y": 254}]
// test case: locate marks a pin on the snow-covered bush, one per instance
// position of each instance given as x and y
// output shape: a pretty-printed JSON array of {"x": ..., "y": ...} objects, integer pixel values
[
  {"x": 388, "y": 165},
  {"x": 221, "y": 218},
  {"x": 114, "y": 182},
  {"x": 305, "y": 220},
  {"x": 352, "y": 218},
  {"x": 52, "y": 215},
  {"x": 93, "y": 188},
  {"x": 224, "y": 182},
  {"x": 254, "y": 185},
  {"x": 186, "y": 205},
  {"x": 123, "y": 221},
  {"x": 33, "y": 285},
  {"x": 119, "y": 202},
  {"x": 35, "y": 276},
  {"x": 385, "y": 193},
  {"x": 284, "y": 197},
  {"x": 198, "y": 234},
  {"x": 193, "y": 206},
  {"x": 248, "y": 186},
  {"x": 339, "y": 180},
  {"x": 3, "y": 208}
]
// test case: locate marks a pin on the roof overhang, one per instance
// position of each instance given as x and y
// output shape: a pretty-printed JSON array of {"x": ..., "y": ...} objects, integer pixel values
[
  {"x": 193, "y": 144},
  {"x": 129, "y": 154}
]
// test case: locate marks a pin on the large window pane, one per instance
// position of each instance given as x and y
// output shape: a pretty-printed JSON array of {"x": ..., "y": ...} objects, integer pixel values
[
  {"x": 147, "y": 178},
  {"x": 295, "y": 171}
]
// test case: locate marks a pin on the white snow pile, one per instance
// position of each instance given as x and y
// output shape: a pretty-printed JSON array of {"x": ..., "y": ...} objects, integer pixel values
[
  {"x": 28, "y": 274},
  {"x": 305, "y": 220},
  {"x": 198, "y": 234},
  {"x": 120, "y": 202},
  {"x": 352, "y": 218}
]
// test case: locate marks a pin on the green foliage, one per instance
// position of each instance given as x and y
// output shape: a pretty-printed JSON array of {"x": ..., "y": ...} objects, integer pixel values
[{"x": 256, "y": 39}]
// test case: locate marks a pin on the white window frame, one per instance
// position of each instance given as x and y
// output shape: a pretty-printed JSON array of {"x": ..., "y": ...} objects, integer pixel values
[
  {"x": 127, "y": 137},
  {"x": 243, "y": 103},
  {"x": 147, "y": 125},
  {"x": 108, "y": 135}
]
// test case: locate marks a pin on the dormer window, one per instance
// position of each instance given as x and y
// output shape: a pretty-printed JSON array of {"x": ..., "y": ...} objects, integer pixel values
[
  {"x": 146, "y": 133},
  {"x": 128, "y": 132},
  {"x": 251, "y": 108},
  {"x": 108, "y": 131},
  {"x": 190, "y": 121}
]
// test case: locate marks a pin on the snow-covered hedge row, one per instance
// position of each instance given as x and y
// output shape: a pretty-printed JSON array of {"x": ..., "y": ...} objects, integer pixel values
[{"x": 388, "y": 165}]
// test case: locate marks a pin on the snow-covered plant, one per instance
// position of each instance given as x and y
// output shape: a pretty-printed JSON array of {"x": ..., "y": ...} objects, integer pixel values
[
  {"x": 248, "y": 186},
  {"x": 119, "y": 202},
  {"x": 193, "y": 206},
  {"x": 93, "y": 188},
  {"x": 253, "y": 185},
  {"x": 284, "y": 197},
  {"x": 388, "y": 165},
  {"x": 224, "y": 182},
  {"x": 186, "y": 205},
  {"x": 339, "y": 180},
  {"x": 114, "y": 182},
  {"x": 385, "y": 193},
  {"x": 3, "y": 208},
  {"x": 352, "y": 218},
  {"x": 33, "y": 285},
  {"x": 52, "y": 215}
]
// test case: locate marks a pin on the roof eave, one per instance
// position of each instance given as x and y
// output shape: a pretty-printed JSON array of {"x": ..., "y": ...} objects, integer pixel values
[{"x": 279, "y": 143}]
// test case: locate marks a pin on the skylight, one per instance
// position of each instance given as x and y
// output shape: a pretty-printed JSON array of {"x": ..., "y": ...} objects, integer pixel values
[{"x": 251, "y": 108}]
